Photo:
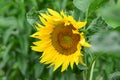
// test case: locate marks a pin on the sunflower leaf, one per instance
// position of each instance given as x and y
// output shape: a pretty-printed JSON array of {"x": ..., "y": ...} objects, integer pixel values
[
  {"x": 81, "y": 67},
  {"x": 22, "y": 64},
  {"x": 38, "y": 70},
  {"x": 96, "y": 4},
  {"x": 32, "y": 17},
  {"x": 109, "y": 43},
  {"x": 97, "y": 25},
  {"x": 114, "y": 76},
  {"x": 82, "y": 5},
  {"x": 110, "y": 13}
]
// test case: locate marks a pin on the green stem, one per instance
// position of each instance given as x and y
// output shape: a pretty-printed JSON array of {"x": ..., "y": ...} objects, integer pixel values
[
  {"x": 92, "y": 68},
  {"x": 85, "y": 71},
  {"x": 84, "y": 75},
  {"x": 86, "y": 15}
]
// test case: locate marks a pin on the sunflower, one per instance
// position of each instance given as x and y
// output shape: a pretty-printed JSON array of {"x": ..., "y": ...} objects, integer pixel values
[{"x": 59, "y": 40}]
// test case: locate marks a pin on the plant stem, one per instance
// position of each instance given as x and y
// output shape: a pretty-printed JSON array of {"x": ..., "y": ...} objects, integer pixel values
[
  {"x": 84, "y": 75},
  {"x": 86, "y": 15},
  {"x": 85, "y": 71},
  {"x": 92, "y": 68}
]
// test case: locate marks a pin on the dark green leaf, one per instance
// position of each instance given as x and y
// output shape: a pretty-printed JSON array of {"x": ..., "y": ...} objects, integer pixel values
[
  {"x": 22, "y": 64},
  {"x": 96, "y": 4},
  {"x": 97, "y": 24},
  {"x": 33, "y": 16},
  {"x": 81, "y": 67},
  {"x": 38, "y": 70}
]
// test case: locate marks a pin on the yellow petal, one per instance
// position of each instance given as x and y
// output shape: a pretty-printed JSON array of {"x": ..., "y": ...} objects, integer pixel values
[
  {"x": 44, "y": 15},
  {"x": 58, "y": 62},
  {"x": 51, "y": 58},
  {"x": 83, "y": 42},
  {"x": 65, "y": 64},
  {"x": 81, "y": 24},
  {"x": 36, "y": 48},
  {"x": 81, "y": 61},
  {"x": 43, "y": 20},
  {"x": 76, "y": 58},
  {"x": 75, "y": 32},
  {"x": 63, "y": 14},
  {"x": 71, "y": 61},
  {"x": 49, "y": 55},
  {"x": 50, "y": 19},
  {"x": 41, "y": 36},
  {"x": 40, "y": 45},
  {"x": 38, "y": 26},
  {"x": 46, "y": 55},
  {"x": 86, "y": 44},
  {"x": 35, "y": 35},
  {"x": 73, "y": 22},
  {"x": 54, "y": 13}
]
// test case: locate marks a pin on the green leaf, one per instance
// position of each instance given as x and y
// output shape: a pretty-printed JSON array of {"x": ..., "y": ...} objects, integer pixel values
[
  {"x": 38, "y": 70},
  {"x": 81, "y": 67},
  {"x": 96, "y": 4},
  {"x": 114, "y": 76},
  {"x": 8, "y": 22},
  {"x": 82, "y": 5},
  {"x": 78, "y": 15},
  {"x": 5, "y": 56},
  {"x": 33, "y": 16},
  {"x": 23, "y": 42},
  {"x": 7, "y": 35},
  {"x": 22, "y": 64},
  {"x": 70, "y": 76},
  {"x": 111, "y": 12},
  {"x": 107, "y": 42},
  {"x": 2, "y": 72},
  {"x": 97, "y": 25}
]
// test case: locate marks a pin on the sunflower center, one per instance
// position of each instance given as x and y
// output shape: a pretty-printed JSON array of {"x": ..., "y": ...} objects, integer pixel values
[
  {"x": 63, "y": 39},
  {"x": 67, "y": 39}
]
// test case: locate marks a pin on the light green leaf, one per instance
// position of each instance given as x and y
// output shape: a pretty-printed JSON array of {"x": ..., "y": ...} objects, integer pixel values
[
  {"x": 105, "y": 42},
  {"x": 8, "y": 22},
  {"x": 114, "y": 76},
  {"x": 82, "y": 5},
  {"x": 111, "y": 13}
]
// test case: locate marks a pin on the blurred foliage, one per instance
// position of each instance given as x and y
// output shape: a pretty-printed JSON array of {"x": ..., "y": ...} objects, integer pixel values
[{"x": 19, "y": 62}]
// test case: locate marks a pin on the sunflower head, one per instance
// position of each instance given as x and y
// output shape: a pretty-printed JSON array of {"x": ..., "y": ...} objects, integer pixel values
[{"x": 59, "y": 40}]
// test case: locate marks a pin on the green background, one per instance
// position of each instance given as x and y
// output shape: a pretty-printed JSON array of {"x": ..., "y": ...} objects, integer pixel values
[{"x": 19, "y": 62}]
